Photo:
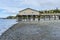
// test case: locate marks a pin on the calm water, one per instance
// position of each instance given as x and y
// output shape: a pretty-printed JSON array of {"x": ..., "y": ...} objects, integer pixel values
[{"x": 5, "y": 24}]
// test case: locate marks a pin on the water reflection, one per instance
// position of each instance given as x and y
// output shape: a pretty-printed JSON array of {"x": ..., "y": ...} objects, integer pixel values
[{"x": 5, "y": 24}]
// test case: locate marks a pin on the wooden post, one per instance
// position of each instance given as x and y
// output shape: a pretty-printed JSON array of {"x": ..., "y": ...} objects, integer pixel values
[
  {"x": 21, "y": 18},
  {"x": 34, "y": 17},
  {"x": 38, "y": 17},
  {"x": 31, "y": 18},
  {"x": 54, "y": 17},
  {"x": 49, "y": 17},
  {"x": 27, "y": 17},
  {"x": 24, "y": 17},
  {"x": 44, "y": 17},
  {"x": 59, "y": 17}
]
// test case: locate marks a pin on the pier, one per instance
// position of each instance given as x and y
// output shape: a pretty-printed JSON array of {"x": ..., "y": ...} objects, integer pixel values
[{"x": 33, "y": 15}]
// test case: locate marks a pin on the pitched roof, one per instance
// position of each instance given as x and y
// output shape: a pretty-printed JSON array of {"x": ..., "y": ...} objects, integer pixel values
[{"x": 30, "y": 9}]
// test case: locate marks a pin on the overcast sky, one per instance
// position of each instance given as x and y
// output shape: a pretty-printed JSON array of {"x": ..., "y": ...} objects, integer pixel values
[{"x": 11, "y": 7}]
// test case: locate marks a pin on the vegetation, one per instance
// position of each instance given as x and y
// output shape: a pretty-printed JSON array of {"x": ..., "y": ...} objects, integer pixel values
[
  {"x": 11, "y": 17},
  {"x": 51, "y": 11}
]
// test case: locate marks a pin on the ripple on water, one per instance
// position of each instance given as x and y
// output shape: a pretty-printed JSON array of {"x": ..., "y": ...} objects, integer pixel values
[{"x": 5, "y": 24}]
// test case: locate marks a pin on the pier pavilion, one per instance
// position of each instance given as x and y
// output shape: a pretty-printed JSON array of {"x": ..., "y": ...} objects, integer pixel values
[{"x": 29, "y": 14}]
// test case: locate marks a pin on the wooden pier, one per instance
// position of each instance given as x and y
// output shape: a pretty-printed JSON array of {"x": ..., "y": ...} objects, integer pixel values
[{"x": 32, "y": 15}]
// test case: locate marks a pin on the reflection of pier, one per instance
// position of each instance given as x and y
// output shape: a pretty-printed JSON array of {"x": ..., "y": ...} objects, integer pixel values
[{"x": 32, "y": 15}]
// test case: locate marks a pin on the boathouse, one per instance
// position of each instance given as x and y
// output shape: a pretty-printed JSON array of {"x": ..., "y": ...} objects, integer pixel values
[{"x": 29, "y": 14}]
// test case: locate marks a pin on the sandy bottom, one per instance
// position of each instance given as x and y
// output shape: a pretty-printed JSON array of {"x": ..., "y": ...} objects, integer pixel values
[{"x": 33, "y": 31}]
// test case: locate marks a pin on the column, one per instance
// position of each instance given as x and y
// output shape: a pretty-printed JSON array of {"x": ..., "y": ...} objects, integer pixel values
[
  {"x": 49, "y": 17},
  {"x": 26, "y": 18},
  {"x": 59, "y": 17},
  {"x": 54, "y": 17},
  {"x": 38, "y": 17},
  {"x": 22, "y": 17},
  {"x": 44, "y": 17},
  {"x": 19, "y": 18},
  {"x": 33, "y": 17},
  {"x": 29, "y": 17}
]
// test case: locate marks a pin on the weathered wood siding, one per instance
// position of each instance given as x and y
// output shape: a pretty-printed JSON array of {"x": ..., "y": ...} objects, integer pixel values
[{"x": 29, "y": 12}]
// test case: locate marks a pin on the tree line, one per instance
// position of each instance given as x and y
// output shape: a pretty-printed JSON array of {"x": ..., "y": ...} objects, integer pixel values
[{"x": 51, "y": 11}]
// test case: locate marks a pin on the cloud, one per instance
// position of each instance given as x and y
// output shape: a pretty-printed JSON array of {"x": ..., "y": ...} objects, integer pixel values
[
  {"x": 20, "y": 4},
  {"x": 13, "y": 6}
]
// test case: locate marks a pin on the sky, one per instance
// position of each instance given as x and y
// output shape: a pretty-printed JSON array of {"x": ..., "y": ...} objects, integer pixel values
[{"x": 12, "y": 7}]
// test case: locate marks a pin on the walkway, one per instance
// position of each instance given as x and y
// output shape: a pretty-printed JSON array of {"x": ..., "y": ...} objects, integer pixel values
[{"x": 33, "y": 31}]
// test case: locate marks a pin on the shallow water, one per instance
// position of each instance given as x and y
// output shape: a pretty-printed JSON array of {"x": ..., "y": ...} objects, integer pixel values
[{"x": 5, "y": 24}]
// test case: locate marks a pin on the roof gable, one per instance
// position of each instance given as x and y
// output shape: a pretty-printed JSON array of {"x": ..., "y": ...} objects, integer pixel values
[{"x": 29, "y": 9}]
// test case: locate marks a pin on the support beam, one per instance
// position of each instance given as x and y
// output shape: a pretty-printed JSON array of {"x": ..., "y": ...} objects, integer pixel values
[
  {"x": 38, "y": 17},
  {"x": 26, "y": 18},
  {"x": 59, "y": 17},
  {"x": 44, "y": 17},
  {"x": 49, "y": 17},
  {"x": 34, "y": 17},
  {"x": 54, "y": 17},
  {"x": 22, "y": 17},
  {"x": 19, "y": 18},
  {"x": 29, "y": 17}
]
